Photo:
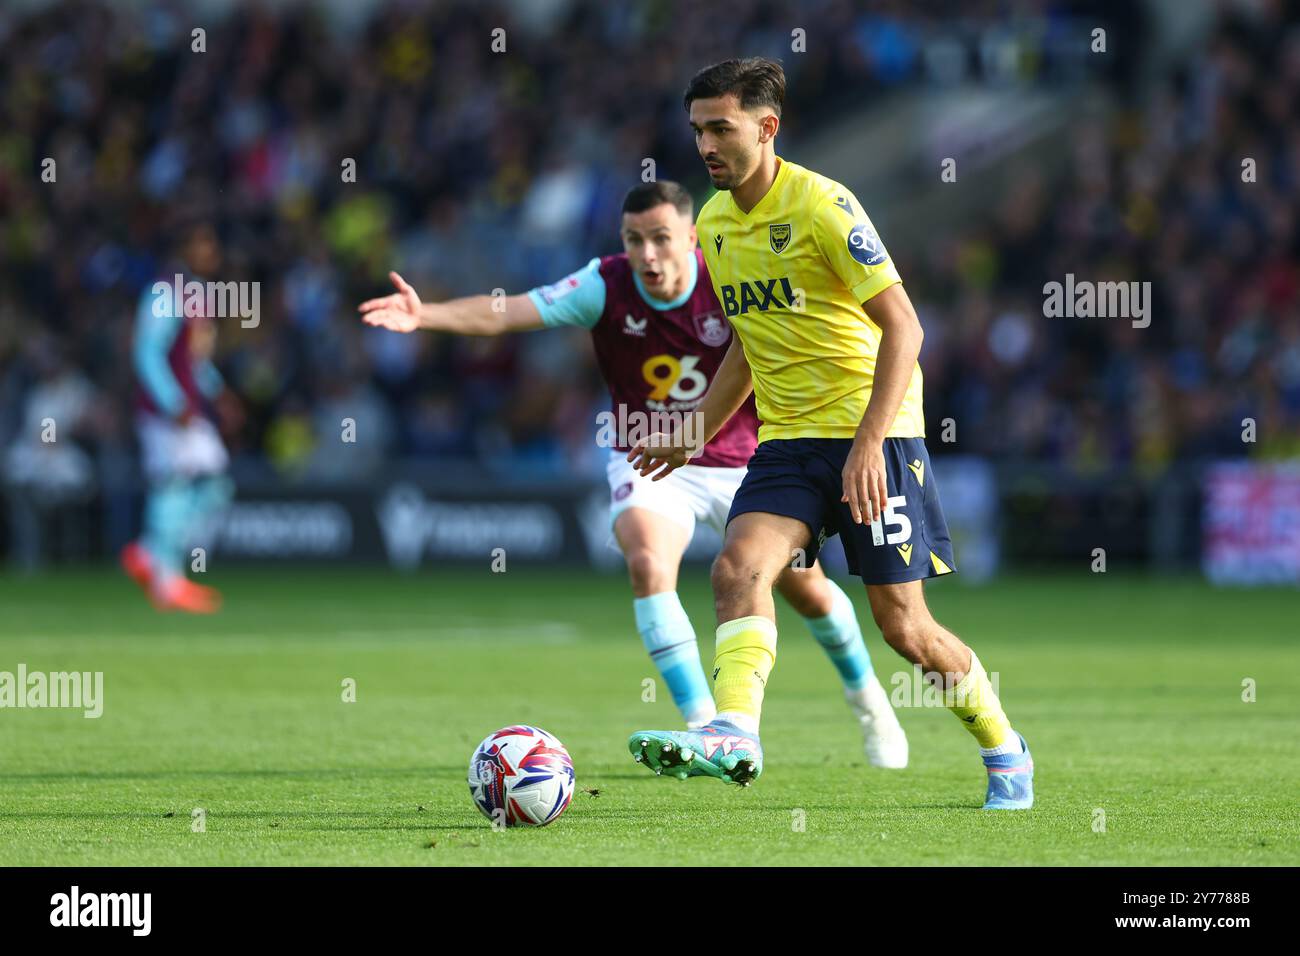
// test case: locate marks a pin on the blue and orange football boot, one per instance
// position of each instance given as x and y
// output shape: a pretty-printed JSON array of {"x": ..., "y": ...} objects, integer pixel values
[
  {"x": 719, "y": 749},
  {"x": 1011, "y": 780}
]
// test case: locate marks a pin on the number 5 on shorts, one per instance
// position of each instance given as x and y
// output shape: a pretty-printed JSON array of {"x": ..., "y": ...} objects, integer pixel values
[{"x": 892, "y": 517}]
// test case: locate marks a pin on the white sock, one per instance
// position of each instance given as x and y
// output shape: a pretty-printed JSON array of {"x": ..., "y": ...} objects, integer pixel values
[
  {"x": 745, "y": 722},
  {"x": 700, "y": 718},
  {"x": 1009, "y": 746},
  {"x": 858, "y": 702},
  {"x": 868, "y": 701}
]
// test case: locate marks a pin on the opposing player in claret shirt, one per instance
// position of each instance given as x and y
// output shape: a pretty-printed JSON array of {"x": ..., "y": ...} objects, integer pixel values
[
  {"x": 660, "y": 334},
  {"x": 177, "y": 394}
]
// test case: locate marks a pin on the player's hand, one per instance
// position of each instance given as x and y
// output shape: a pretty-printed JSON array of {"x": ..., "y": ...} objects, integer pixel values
[
  {"x": 658, "y": 451},
  {"x": 399, "y": 312},
  {"x": 865, "y": 489}
]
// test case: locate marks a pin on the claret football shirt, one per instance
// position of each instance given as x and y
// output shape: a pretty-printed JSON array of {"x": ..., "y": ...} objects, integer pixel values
[{"x": 655, "y": 356}]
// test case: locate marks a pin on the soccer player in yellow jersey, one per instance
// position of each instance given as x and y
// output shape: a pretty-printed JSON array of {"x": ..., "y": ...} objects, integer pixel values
[{"x": 827, "y": 340}]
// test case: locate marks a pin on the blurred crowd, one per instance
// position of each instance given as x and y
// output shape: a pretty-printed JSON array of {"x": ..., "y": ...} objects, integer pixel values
[
  {"x": 478, "y": 169},
  {"x": 1192, "y": 188}
]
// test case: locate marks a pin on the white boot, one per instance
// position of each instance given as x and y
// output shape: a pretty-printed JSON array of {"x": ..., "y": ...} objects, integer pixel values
[{"x": 883, "y": 738}]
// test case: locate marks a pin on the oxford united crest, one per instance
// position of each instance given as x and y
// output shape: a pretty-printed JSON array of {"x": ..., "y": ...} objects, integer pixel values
[{"x": 779, "y": 236}]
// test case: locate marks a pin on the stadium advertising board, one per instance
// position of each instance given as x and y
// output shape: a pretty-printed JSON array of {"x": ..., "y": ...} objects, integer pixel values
[{"x": 1252, "y": 524}]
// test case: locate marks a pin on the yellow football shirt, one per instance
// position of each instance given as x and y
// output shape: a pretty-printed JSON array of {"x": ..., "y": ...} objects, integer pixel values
[{"x": 791, "y": 275}]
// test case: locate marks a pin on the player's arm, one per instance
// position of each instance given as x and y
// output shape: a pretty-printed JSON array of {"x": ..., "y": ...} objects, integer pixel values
[
  {"x": 472, "y": 315},
  {"x": 865, "y": 488},
  {"x": 154, "y": 335},
  {"x": 853, "y": 251},
  {"x": 209, "y": 378},
  {"x": 731, "y": 385}
]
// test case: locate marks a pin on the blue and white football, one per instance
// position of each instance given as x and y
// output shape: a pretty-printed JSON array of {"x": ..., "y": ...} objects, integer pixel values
[{"x": 521, "y": 776}]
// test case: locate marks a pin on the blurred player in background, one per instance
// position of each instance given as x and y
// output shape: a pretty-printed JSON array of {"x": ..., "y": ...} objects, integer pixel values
[
  {"x": 185, "y": 462},
  {"x": 659, "y": 336},
  {"x": 827, "y": 341}
]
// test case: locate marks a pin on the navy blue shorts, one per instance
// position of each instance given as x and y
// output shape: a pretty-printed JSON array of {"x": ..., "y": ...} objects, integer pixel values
[{"x": 802, "y": 478}]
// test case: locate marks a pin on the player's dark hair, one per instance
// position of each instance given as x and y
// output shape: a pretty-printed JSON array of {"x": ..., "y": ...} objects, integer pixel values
[
  {"x": 648, "y": 195},
  {"x": 755, "y": 80}
]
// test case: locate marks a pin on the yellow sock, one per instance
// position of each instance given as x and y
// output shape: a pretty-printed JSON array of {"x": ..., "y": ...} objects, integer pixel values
[
  {"x": 746, "y": 651},
  {"x": 972, "y": 699}
]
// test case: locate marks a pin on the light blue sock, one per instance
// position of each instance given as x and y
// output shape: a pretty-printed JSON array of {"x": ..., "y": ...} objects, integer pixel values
[
  {"x": 667, "y": 634},
  {"x": 841, "y": 638},
  {"x": 166, "y": 515},
  {"x": 206, "y": 496},
  {"x": 211, "y": 494}
]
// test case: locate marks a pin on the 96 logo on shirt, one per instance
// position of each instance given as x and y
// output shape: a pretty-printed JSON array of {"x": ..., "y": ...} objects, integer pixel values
[{"x": 674, "y": 378}]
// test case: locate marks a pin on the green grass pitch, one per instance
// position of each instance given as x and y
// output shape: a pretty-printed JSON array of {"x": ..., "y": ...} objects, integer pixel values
[{"x": 1129, "y": 690}]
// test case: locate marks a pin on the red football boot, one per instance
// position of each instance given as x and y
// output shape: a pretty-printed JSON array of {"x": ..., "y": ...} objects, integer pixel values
[
  {"x": 182, "y": 594},
  {"x": 134, "y": 560}
]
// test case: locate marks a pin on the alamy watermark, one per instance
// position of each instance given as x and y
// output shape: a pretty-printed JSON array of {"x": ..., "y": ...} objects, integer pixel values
[
  {"x": 1085, "y": 299},
  {"x": 72, "y": 690},
  {"x": 130, "y": 910},
  {"x": 218, "y": 300},
  {"x": 620, "y": 428},
  {"x": 915, "y": 688}
]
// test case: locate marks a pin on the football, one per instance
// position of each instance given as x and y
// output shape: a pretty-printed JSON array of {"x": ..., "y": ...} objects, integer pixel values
[{"x": 521, "y": 776}]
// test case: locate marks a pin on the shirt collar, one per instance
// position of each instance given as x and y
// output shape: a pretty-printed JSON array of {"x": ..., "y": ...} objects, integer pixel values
[{"x": 768, "y": 196}]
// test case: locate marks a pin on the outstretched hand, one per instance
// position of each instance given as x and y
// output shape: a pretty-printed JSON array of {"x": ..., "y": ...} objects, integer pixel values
[{"x": 399, "y": 312}]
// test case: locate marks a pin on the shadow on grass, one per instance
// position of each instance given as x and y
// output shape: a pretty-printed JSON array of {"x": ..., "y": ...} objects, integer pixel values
[
  {"x": 443, "y": 771},
  {"x": 288, "y": 822}
]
